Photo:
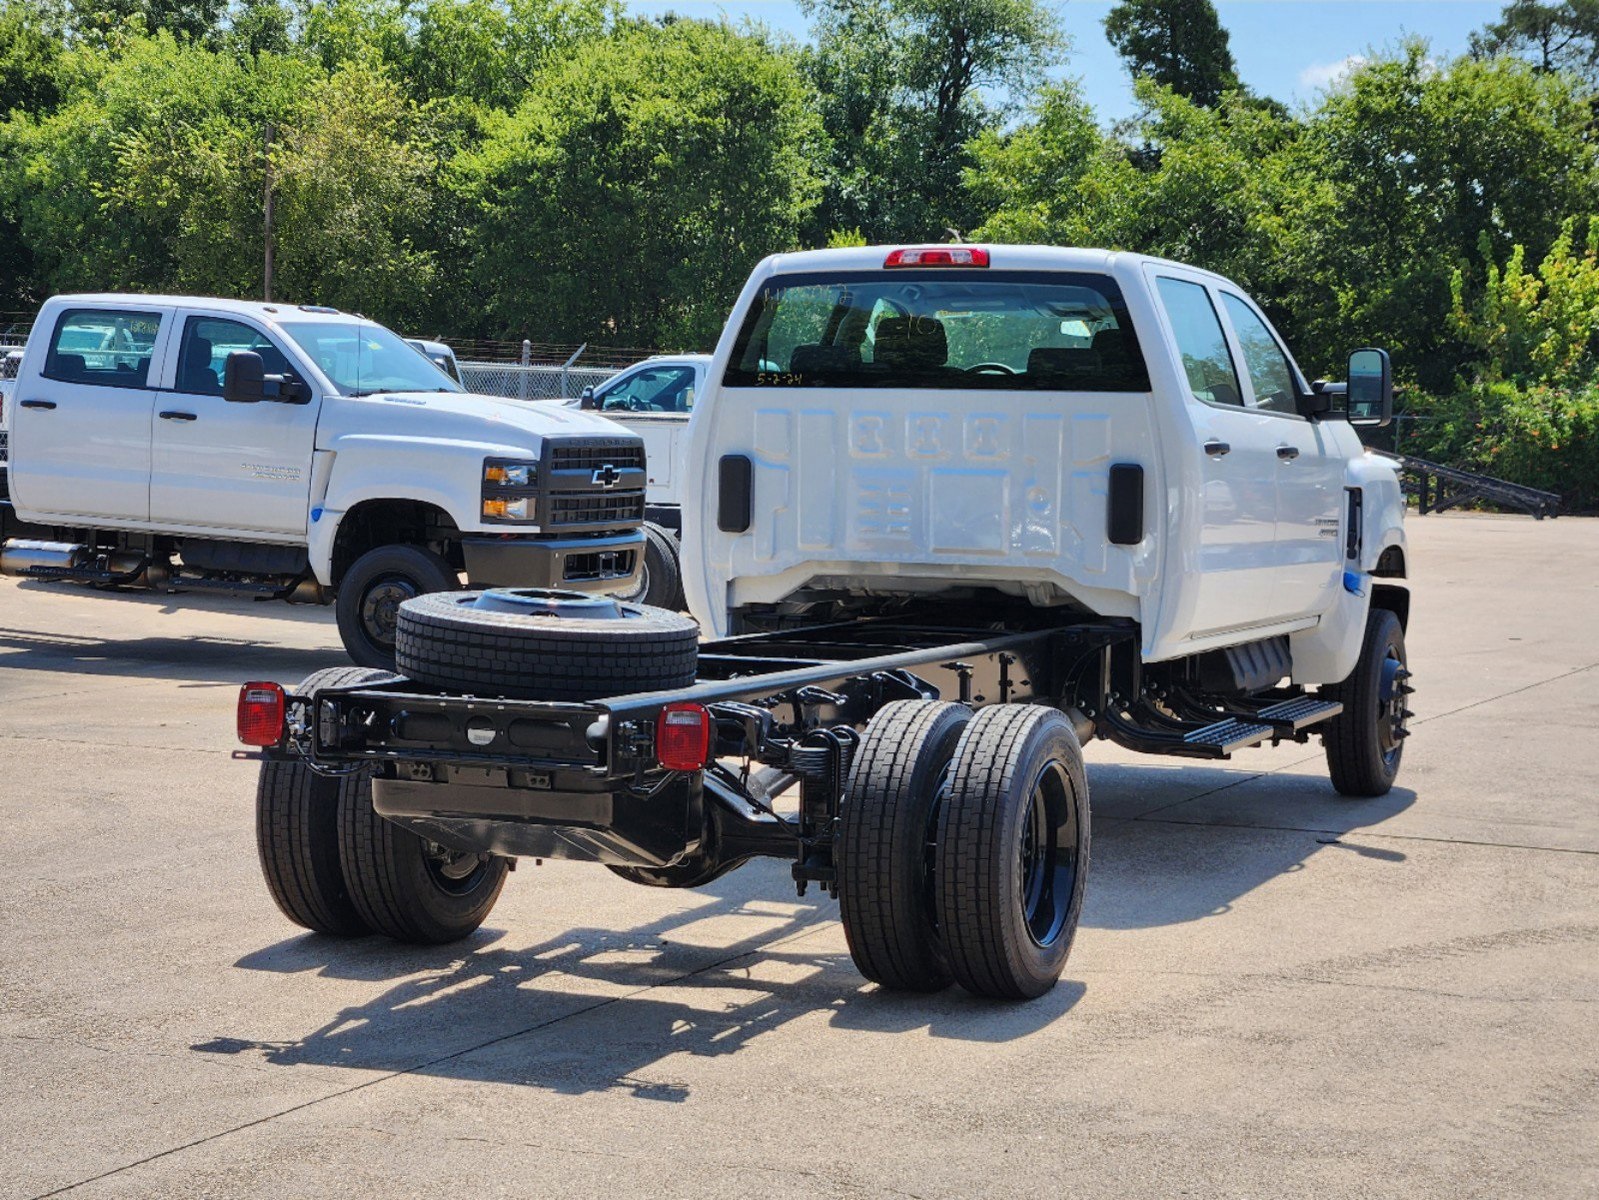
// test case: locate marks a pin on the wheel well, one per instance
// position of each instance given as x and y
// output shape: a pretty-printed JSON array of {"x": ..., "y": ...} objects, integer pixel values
[
  {"x": 1391, "y": 563},
  {"x": 374, "y": 523}
]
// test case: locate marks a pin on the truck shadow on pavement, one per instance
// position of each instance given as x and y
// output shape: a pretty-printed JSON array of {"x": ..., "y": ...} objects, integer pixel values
[
  {"x": 183, "y": 659},
  {"x": 1179, "y": 844},
  {"x": 603, "y": 1010},
  {"x": 595, "y": 1009}
]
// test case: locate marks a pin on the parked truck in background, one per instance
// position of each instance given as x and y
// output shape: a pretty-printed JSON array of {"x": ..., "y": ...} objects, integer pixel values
[
  {"x": 297, "y": 452},
  {"x": 655, "y": 399},
  {"x": 957, "y": 511}
]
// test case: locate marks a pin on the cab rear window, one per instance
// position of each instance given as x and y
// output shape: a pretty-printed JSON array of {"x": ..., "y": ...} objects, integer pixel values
[
  {"x": 1029, "y": 331},
  {"x": 103, "y": 347}
]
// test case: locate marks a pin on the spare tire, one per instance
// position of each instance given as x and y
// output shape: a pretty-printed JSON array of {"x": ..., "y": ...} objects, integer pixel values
[{"x": 537, "y": 644}]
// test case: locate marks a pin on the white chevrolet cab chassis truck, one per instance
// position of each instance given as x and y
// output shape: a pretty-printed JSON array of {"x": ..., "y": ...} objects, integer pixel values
[
  {"x": 961, "y": 509},
  {"x": 296, "y": 452}
]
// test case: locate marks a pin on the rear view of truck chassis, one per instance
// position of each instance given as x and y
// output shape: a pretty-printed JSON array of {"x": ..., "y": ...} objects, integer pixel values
[{"x": 926, "y": 773}]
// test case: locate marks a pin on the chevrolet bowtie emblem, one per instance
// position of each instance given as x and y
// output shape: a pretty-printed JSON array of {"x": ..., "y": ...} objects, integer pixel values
[{"x": 607, "y": 476}]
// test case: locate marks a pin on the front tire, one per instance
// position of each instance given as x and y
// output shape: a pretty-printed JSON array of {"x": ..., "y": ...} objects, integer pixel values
[
  {"x": 1366, "y": 741},
  {"x": 1012, "y": 860},
  {"x": 372, "y": 590},
  {"x": 884, "y": 878},
  {"x": 660, "y": 582},
  {"x": 406, "y": 887}
]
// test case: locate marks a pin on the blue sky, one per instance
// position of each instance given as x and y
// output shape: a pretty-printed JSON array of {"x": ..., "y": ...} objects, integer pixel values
[{"x": 1288, "y": 49}]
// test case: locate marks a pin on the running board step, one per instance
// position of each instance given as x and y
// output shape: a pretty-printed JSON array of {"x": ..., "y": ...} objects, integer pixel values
[
  {"x": 1290, "y": 716},
  {"x": 1151, "y": 731},
  {"x": 1226, "y": 736}
]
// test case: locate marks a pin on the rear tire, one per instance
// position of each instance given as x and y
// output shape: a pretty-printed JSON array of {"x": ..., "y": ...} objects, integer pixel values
[
  {"x": 884, "y": 885},
  {"x": 372, "y": 590},
  {"x": 405, "y": 887},
  {"x": 1366, "y": 741},
  {"x": 297, "y": 832},
  {"x": 1012, "y": 860}
]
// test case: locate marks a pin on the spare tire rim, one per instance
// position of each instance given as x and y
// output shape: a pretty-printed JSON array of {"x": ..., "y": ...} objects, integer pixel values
[
  {"x": 380, "y": 607},
  {"x": 1047, "y": 868},
  {"x": 545, "y": 602},
  {"x": 455, "y": 871}
]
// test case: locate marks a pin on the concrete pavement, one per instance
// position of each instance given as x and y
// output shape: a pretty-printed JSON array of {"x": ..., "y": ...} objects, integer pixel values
[{"x": 1275, "y": 992}]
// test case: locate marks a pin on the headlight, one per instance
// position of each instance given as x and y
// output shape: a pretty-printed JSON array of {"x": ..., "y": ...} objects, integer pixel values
[
  {"x": 510, "y": 474},
  {"x": 506, "y": 484}
]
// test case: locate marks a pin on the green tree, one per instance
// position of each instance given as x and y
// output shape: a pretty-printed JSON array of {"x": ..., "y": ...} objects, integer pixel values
[
  {"x": 905, "y": 86},
  {"x": 1179, "y": 44},
  {"x": 1416, "y": 166},
  {"x": 110, "y": 22},
  {"x": 643, "y": 176},
  {"x": 1205, "y": 185},
  {"x": 1553, "y": 37},
  {"x": 31, "y": 42}
]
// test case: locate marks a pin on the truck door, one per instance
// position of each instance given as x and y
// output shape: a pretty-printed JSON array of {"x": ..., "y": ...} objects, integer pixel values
[
  {"x": 1235, "y": 558},
  {"x": 235, "y": 467},
  {"x": 81, "y": 425},
  {"x": 1309, "y": 467}
]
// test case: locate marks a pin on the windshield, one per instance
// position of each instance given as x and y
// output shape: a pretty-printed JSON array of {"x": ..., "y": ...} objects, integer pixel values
[
  {"x": 953, "y": 329},
  {"x": 362, "y": 358}
]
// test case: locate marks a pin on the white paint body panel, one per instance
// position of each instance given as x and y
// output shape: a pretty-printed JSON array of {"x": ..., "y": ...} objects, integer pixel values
[
  {"x": 899, "y": 491},
  {"x": 267, "y": 472}
]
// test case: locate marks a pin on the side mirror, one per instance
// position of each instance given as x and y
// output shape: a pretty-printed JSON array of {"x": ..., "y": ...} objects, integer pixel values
[
  {"x": 245, "y": 381},
  {"x": 244, "y": 378},
  {"x": 1371, "y": 388},
  {"x": 586, "y": 398}
]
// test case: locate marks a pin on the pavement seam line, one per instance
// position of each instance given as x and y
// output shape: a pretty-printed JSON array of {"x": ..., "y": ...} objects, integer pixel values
[
  {"x": 1361, "y": 832},
  {"x": 443, "y": 1058}
]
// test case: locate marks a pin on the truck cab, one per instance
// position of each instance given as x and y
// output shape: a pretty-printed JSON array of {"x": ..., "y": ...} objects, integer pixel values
[
  {"x": 1088, "y": 431},
  {"x": 284, "y": 450}
]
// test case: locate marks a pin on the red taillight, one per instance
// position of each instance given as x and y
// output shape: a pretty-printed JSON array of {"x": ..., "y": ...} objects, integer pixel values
[
  {"x": 938, "y": 256},
  {"x": 261, "y": 714},
  {"x": 683, "y": 736}
]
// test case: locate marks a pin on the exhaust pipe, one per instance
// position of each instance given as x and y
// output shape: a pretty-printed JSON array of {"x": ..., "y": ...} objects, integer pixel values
[{"x": 20, "y": 555}]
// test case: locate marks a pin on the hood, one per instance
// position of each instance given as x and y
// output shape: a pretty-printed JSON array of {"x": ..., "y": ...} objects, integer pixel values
[{"x": 471, "y": 417}]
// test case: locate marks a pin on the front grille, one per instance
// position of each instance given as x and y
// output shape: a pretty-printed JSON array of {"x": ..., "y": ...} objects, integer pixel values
[
  {"x": 5, "y": 445},
  {"x": 5, "y": 487},
  {"x": 592, "y": 508},
  {"x": 590, "y": 454}
]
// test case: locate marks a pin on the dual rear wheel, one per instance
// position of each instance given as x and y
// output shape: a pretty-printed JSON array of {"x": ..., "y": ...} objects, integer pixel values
[
  {"x": 334, "y": 866},
  {"x": 963, "y": 848}
]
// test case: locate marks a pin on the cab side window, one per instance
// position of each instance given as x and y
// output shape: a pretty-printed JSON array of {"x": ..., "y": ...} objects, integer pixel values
[
  {"x": 1201, "y": 342},
  {"x": 658, "y": 390},
  {"x": 207, "y": 342},
  {"x": 103, "y": 348},
  {"x": 1269, "y": 372}
]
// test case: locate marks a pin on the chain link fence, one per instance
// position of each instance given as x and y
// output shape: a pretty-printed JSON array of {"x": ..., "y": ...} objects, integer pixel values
[{"x": 531, "y": 382}]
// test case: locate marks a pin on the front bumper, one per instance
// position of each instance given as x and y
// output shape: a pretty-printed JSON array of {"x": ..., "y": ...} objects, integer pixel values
[{"x": 602, "y": 564}]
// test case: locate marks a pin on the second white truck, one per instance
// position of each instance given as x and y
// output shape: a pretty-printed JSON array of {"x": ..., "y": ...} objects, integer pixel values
[{"x": 296, "y": 452}]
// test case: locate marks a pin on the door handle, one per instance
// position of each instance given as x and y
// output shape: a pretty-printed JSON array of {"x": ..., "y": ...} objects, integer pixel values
[
  {"x": 38, "y": 404},
  {"x": 1288, "y": 453},
  {"x": 171, "y": 415},
  {"x": 1217, "y": 449}
]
